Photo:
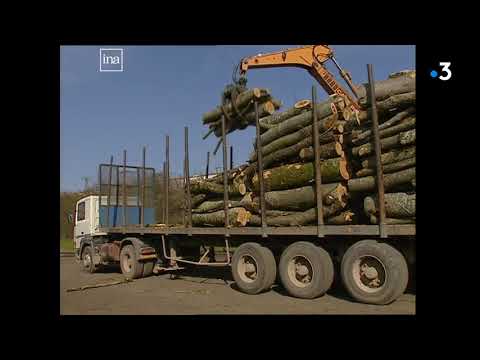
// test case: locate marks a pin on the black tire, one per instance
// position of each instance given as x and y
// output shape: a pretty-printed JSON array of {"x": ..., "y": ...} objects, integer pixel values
[
  {"x": 87, "y": 260},
  {"x": 319, "y": 267},
  {"x": 148, "y": 268},
  {"x": 265, "y": 268},
  {"x": 390, "y": 270},
  {"x": 130, "y": 266},
  {"x": 272, "y": 265}
]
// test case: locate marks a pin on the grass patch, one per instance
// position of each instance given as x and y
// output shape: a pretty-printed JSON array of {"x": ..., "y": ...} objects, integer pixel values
[{"x": 66, "y": 245}]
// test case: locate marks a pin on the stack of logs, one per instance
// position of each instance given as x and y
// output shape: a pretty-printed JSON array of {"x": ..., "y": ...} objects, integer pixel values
[
  {"x": 347, "y": 164},
  {"x": 241, "y": 113}
]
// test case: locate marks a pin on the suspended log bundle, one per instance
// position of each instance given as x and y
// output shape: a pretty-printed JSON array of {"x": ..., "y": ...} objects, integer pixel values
[
  {"x": 347, "y": 162},
  {"x": 240, "y": 112}
]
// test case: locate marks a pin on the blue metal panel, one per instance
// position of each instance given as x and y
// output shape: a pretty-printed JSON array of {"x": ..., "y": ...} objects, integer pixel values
[{"x": 133, "y": 216}]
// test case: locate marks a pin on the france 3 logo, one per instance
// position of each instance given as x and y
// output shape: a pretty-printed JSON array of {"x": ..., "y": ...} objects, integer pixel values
[{"x": 447, "y": 73}]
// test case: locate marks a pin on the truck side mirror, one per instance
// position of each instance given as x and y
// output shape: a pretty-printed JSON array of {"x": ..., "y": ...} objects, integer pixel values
[{"x": 70, "y": 218}]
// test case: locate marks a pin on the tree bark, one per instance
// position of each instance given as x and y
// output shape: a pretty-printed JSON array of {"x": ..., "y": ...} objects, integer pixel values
[
  {"x": 304, "y": 198},
  {"x": 198, "y": 199},
  {"x": 297, "y": 219},
  {"x": 275, "y": 119},
  {"x": 264, "y": 109},
  {"x": 327, "y": 151},
  {"x": 243, "y": 100},
  {"x": 397, "y": 205},
  {"x": 368, "y": 183},
  {"x": 236, "y": 217},
  {"x": 392, "y": 156},
  {"x": 343, "y": 218},
  {"x": 207, "y": 187},
  {"x": 388, "y": 87},
  {"x": 403, "y": 138},
  {"x": 296, "y": 175},
  {"x": 295, "y": 137},
  {"x": 231, "y": 174},
  {"x": 395, "y": 102},
  {"x": 392, "y": 121},
  {"x": 406, "y": 124},
  {"x": 392, "y": 221},
  {"x": 292, "y": 152},
  {"x": 214, "y": 205},
  {"x": 390, "y": 168},
  {"x": 324, "y": 110}
]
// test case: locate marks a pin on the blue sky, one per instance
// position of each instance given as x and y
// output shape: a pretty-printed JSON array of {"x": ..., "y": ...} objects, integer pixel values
[{"x": 164, "y": 88}]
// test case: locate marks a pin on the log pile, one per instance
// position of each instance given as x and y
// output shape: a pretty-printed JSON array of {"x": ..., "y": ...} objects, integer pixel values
[{"x": 347, "y": 166}]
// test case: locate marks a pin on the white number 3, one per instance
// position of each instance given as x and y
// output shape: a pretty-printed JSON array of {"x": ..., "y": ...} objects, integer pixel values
[{"x": 446, "y": 69}]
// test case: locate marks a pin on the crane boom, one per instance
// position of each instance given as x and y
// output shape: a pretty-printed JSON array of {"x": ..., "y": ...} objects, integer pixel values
[{"x": 309, "y": 57}]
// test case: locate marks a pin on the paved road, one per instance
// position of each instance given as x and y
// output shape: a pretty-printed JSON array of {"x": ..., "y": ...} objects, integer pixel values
[{"x": 203, "y": 292}]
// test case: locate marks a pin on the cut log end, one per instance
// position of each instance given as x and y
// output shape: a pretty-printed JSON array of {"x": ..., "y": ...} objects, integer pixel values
[
  {"x": 304, "y": 153},
  {"x": 302, "y": 104},
  {"x": 339, "y": 149},
  {"x": 243, "y": 216},
  {"x": 269, "y": 107},
  {"x": 344, "y": 169},
  {"x": 340, "y": 128},
  {"x": 242, "y": 189}
]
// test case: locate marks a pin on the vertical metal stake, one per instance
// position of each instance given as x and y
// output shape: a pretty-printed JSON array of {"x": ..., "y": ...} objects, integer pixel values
[
  {"x": 109, "y": 190},
  {"x": 208, "y": 163},
  {"x": 318, "y": 175},
  {"x": 138, "y": 197},
  {"x": 99, "y": 195},
  {"x": 260, "y": 173},
  {"x": 117, "y": 195},
  {"x": 225, "y": 178},
  {"x": 187, "y": 178},
  {"x": 143, "y": 186},
  {"x": 167, "y": 178},
  {"x": 163, "y": 192},
  {"x": 124, "y": 188},
  {"x": 378, "y": 152}
]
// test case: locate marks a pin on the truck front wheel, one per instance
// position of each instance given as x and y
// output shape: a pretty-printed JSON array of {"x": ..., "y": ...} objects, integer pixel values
[
  {"x": 87, "y": 260},
  {"x": 374, "y": 273},
  {"x": 130, "y": 266}
]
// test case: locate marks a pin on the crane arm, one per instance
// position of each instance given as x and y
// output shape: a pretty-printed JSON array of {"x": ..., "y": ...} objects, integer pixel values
[{"x": 311, "y": 58}]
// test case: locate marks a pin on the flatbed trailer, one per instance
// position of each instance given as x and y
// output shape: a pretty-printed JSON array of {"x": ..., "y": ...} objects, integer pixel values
[
  {"x": 375, "y": 262},
  {"x": 327, "y": 230}
]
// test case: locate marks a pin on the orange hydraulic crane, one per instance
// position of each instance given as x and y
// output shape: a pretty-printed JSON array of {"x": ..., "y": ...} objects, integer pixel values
[{"x": 309, "y": 57}]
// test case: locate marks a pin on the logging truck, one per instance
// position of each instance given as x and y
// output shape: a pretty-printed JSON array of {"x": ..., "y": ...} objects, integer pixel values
[
  {"x": 119, "y": 225},
  {"x": 373, "y": 269}
]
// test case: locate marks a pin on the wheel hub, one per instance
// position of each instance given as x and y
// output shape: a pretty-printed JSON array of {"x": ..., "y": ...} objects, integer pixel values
[
  {"x": 369, "y": 274},
  {"x": 127, "y": 262},
  {"x": 87, "y": 261},
  {"x": 247, "y": 268},
  {"x": 300, "y": 271}
]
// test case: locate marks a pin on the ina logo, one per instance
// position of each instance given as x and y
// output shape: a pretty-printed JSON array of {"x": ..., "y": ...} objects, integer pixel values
[{"x": 111, "y": 60}]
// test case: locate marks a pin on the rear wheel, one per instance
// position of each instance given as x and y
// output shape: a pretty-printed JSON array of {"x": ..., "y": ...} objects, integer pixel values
[
  {"x": 87, "y": 260},
  {"x": 306, "y": 270},
  {"x": 130, "y": 266},
  {"x": 253, "y": 268},
  {"x": 374, "y": 273}
]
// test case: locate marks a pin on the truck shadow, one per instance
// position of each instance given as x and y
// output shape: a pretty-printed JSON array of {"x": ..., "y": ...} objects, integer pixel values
[
  {"x": 204, "y": 274},
  {"x": 224, "y": 277}
]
